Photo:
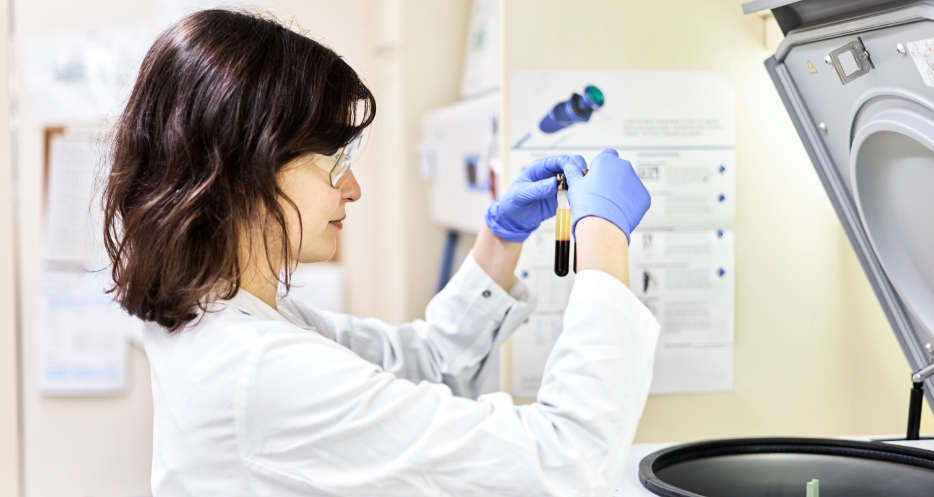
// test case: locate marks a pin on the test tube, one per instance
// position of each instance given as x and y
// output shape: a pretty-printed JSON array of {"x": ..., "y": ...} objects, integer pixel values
[
  {"x": 562, "y": 229},
  {"x": 575, "y": 241}
]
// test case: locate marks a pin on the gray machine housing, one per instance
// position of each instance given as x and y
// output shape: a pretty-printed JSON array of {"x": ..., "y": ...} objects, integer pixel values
[{"x": 864, "y": 110}]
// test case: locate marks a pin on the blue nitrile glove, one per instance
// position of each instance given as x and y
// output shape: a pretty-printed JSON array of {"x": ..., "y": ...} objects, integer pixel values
[
  {"x": 611, "y": 190},
  {"x": 531, "y": 199}
]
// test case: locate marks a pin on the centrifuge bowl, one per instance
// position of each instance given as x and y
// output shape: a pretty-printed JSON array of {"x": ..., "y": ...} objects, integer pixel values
[{"x": 780, "y": 467}]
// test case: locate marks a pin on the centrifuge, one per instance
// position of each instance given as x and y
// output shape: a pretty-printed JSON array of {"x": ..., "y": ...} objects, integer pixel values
[{"x": 857, "y": 79}]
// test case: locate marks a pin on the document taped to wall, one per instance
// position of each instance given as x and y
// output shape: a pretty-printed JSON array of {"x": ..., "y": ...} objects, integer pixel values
[
  {"x": 82, "y": 336},
  {"x": 678, "y": 131},
  {"x": 82, "y": 341}
]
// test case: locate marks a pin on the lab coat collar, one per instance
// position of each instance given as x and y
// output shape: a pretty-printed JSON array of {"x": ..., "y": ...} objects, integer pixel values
[{"x": 250, "y": 304}]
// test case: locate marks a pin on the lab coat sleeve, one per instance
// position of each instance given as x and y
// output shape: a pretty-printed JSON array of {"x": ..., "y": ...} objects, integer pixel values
[
  {"x": 463, "y": 323},
  {"x": 313, "y": 418}
]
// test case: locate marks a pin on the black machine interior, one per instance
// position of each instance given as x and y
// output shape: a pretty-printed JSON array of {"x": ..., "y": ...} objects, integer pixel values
[{"x": 781, "y": 467}]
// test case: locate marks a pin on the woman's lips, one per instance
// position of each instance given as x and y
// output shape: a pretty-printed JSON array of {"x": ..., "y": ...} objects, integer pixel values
[{"x": 337, "y": 223}]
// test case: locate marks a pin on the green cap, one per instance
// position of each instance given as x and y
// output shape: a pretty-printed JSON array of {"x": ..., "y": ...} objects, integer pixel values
[{"x": 594, "y": 95}]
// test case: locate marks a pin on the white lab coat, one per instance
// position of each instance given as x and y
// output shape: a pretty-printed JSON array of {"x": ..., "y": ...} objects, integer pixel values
[{"x": 253, "y": 402}]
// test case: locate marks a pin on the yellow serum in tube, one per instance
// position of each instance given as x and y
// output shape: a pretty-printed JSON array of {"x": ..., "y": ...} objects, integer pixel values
[{"x": 562, "y": 229}]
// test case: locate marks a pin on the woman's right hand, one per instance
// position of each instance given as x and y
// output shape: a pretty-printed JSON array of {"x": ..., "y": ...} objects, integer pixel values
[
  {"x": 531, "y": 199},
  {"x": 611, "y": 190}
]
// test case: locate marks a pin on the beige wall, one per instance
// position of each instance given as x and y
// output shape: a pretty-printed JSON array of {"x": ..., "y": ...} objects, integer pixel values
[
  {"x": 393, "y": 249},
  {"x": 435, "y": 37},
  {"x": 814, "y": 354},
  {"x": 9, "y": 373}
]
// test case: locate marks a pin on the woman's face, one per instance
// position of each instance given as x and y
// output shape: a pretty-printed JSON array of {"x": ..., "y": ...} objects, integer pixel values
[{"x": 321, "y": 207}]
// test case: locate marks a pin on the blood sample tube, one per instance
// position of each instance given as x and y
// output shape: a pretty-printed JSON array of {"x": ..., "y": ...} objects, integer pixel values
[
  {"x": 575, "y": 241},
  {"x": 562, "y": 229}
]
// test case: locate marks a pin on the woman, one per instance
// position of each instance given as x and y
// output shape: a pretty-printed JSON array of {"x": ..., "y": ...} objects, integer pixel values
[{"x": 230, "y": 164}]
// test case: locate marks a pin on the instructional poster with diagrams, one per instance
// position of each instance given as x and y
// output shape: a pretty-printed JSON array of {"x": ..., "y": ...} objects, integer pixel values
[{"x": 678, "y": 131}]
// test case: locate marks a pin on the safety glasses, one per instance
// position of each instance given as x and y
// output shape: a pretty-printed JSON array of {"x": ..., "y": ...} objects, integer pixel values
[{"x": 337, "y": 164}]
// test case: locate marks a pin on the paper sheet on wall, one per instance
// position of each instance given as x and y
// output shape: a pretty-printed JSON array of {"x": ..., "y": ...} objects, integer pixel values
[
  {"x": 482, "y": 57},
  {"x": 82, "y": 76},
  {"x": 72, "y": 224},
  {"x": 82, "y": 335},
  {"x": 678, "y": 131}
]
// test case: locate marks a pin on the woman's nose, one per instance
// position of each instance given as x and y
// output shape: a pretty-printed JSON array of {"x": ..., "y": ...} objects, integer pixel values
[{"x": 350, "y": 189}]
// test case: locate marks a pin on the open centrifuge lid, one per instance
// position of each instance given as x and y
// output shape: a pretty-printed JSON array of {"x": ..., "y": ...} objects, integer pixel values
[
  {"x": 857, "y": 79},
  {"x": 794, "y": 14}
]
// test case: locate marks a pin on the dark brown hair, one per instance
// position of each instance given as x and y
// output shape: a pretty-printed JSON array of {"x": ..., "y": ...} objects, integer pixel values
[{"x": 222, "y": 102}]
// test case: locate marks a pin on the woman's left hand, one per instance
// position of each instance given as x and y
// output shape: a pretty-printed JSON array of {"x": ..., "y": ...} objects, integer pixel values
[{"x": 531, "y": 199}]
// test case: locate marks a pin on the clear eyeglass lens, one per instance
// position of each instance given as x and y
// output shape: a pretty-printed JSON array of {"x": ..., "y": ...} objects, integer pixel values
[{"x": 343, "y": 160}]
